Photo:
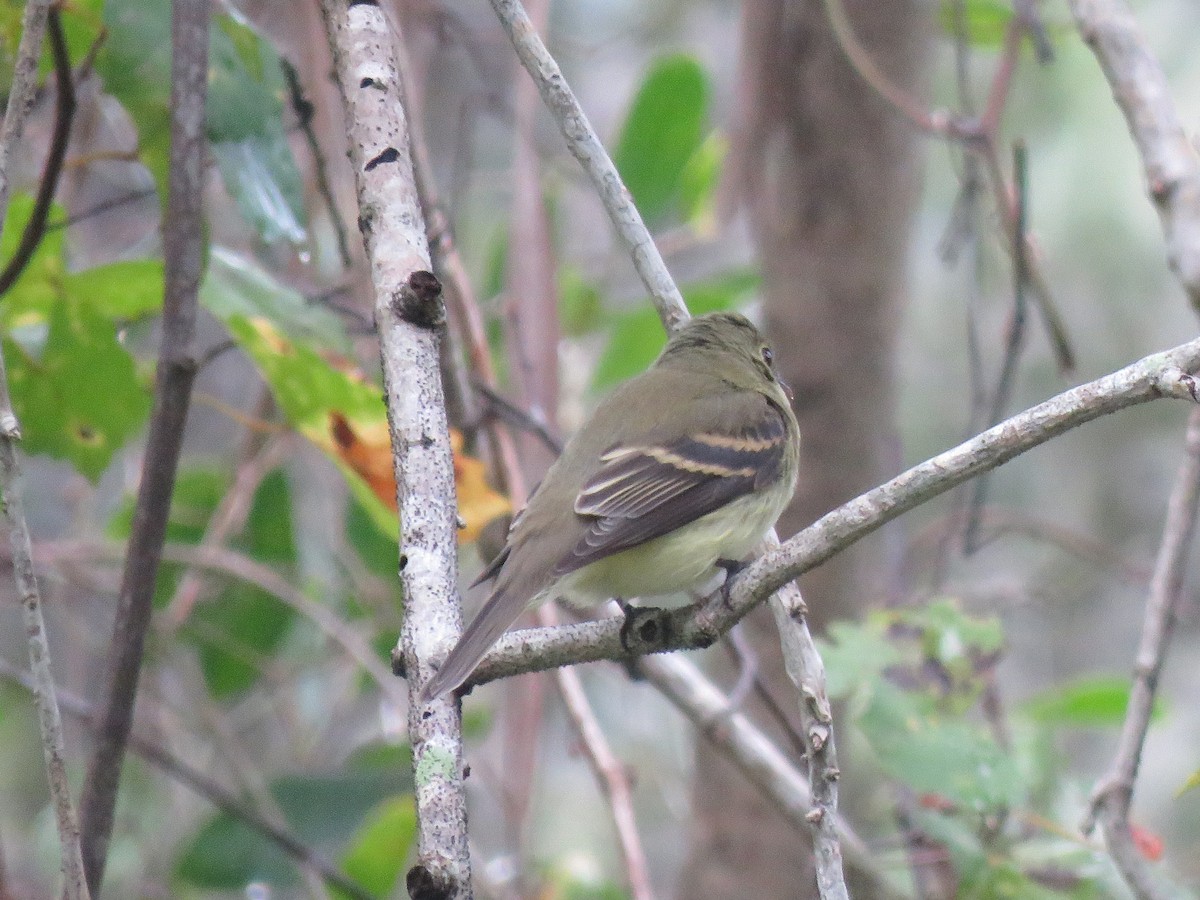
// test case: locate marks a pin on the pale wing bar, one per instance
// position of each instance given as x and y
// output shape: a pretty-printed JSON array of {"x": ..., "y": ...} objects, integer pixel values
[{"x": 641, "y": 493}]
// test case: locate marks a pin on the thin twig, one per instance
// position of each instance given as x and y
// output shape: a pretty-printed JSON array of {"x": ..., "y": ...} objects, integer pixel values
[
  {"x": 224, "y": 561},
  {"x": 753, "y": 754},
  {"x": 586, "y": 146},
  {"x": 303, "y": 109},
  {"x": 940, "y": 122},
  {"x": 1161, "y": 375},
  {"x": 259, "y": 458},
  {"x": 1114, "y": 792},
  {"x": 409, "y": 311},
  {"x": 60, "y": 137},
  {"x": 20, "y": 99},
  {"x": 613, "y": 777},
  {"x": 214, "y": 792},
  {"x": 1172, "y": 170},
  {"x": 183, "y": 240},
  {"x": 807, "y": 671},
  {"x": 1014, "y": 343}
]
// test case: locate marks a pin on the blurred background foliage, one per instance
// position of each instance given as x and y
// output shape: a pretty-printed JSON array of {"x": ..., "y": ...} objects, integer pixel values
[{"x": 246, "y": 686}]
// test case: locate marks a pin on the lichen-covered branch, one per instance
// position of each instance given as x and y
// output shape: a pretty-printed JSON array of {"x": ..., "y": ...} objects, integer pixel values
[{"x": 409, "y": 314}]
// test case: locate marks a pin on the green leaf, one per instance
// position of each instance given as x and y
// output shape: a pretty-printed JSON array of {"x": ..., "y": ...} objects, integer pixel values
[
  {"x": 579, "y": 303},
  {"x": 135, "y": 67},
  {"x": 33, "y": 295},
  {"x": 245, "y": 115},
  {"x": 949, "y": 758},
  {"x": 698, "y": 183},
  {"x": 242, "y": 626},
  {"x": 638, "y": 336},
  {"x": 1094, "y": 702},
  {"x": 374, "y": 547},
  {"x": 985, "y": 21},
  {"x": 292, "y": 341},
  {"x": 122, "y": 290},
  {"x": 1192, "y": 783},
  {"x": 381, "y": 845},
  {"x": 236, "y": 286},
  {"x": 855, "y": 656},
  {"x": 320, "y": 810},
  {"x": 80, "y": 399},
  {"x": 663, "y": 130}
]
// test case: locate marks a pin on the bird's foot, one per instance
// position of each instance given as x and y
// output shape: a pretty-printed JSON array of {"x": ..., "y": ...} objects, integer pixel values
[{"x": 732, "y": 567}]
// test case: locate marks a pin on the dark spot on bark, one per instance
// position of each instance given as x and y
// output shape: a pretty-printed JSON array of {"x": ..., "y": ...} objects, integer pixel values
[
  {"x": 390, "y": 155},
  {"x": 419, "y": 301},
  {"x": 648, "y": 631},
  {"x": 466, "y": 772},
  {"x": 364, "y": 225},
  {"x": 363, "y": 3},
  {"x": 399, "y": 669},
  {"x": 366, "y": 82},
  {"x": 403, "y": 561},
  {"x": 423, "y": 884}
]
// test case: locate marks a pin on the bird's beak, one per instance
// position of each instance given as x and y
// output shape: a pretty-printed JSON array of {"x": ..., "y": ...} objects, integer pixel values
[{"x": 787, "y": 389}]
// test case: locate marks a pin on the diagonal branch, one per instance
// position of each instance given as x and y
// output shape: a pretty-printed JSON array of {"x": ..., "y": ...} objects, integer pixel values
[
  {"x": 1169, "y": 158},
  {"x": 183, "y": 240},
  {"x": 1164, "y": 374}
]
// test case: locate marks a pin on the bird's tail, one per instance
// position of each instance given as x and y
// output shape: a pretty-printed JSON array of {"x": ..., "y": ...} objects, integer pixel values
[{"x": 500, "y": 611}]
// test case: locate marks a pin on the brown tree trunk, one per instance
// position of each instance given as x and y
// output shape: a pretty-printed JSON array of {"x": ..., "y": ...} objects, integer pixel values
[{"x": 829, "y": 172}]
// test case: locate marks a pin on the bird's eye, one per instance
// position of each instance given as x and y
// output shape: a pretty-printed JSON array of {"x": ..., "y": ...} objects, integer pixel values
[{"x": 767, "y": 355}]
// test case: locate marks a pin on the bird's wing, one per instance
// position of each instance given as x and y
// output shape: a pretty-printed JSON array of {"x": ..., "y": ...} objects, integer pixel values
[{"x": 645, "y": 490}]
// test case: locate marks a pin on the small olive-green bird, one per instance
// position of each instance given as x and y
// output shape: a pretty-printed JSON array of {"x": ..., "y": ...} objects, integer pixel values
[{"x": 681, "y": 469}]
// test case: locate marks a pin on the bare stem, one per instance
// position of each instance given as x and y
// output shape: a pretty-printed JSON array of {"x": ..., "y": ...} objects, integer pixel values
[
  {"x": 20, "y": 99},
  {"x": 585, "y": 145},
  {"x": 1114, "y": 793},
  {"x": 183, "y": 240},
  {"x": 1169, "y": 158}
]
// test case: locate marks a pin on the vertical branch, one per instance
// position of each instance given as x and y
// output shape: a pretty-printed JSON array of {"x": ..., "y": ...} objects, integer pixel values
[
  {"x": 409, "y": 312},
  {"x": 183, "y": 251},
  {"x": 20, "y": 99},
  {"x": 1114, "y": 793},
  {"x": 807, "y": 672}
]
